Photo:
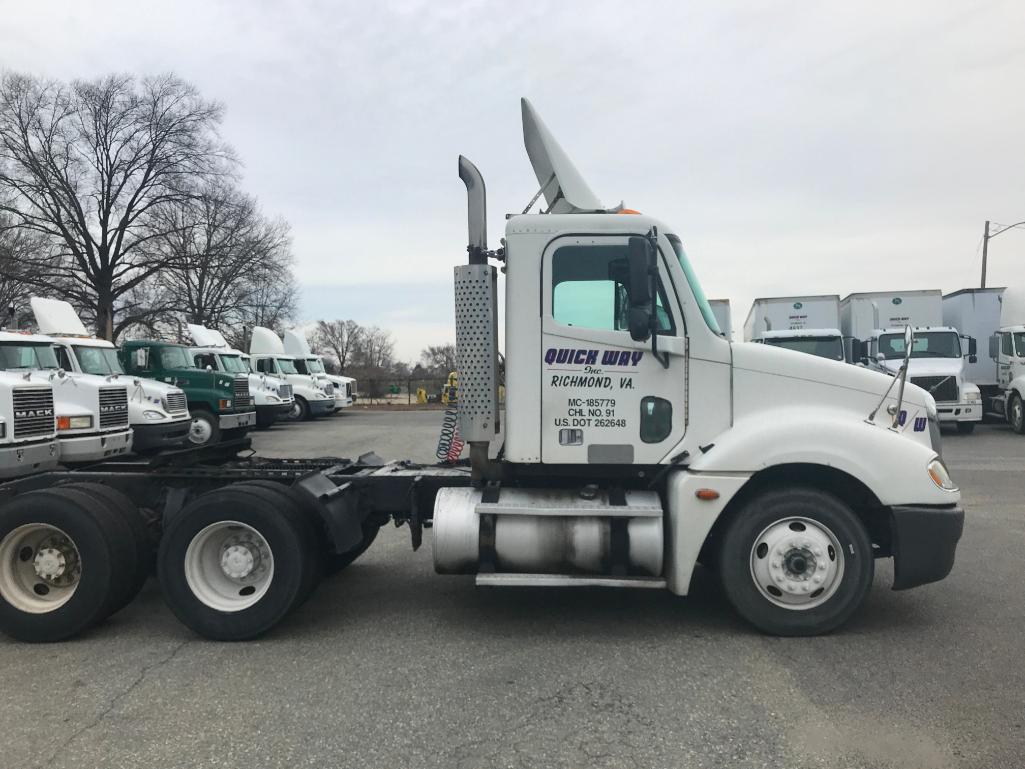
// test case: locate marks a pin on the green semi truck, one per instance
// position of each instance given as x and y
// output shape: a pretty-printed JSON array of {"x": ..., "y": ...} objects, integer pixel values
[{"x": 220, "y": 403}]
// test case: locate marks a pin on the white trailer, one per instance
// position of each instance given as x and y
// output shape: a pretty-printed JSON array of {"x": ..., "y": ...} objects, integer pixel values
[
  {"x": 297, "y": 345},
  {"x": 158, "y": 412},
  {"x": 808, "y": 324},
  {"x": 636, "y": 442},
  {"x": 875, "y": 322},
  {"x": 312, "y": 397},
  {"x": 721, "y": 311},
  {"x": 975, "y": 313},
  {"x": 272, "y": 397}
]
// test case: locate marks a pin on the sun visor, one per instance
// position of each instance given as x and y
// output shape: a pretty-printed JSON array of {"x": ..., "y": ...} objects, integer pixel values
[{"x": 563, "y": 186}]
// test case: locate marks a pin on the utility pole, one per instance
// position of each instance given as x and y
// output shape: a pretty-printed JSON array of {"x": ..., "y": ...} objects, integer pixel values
[{"x": 985, "y": 250}]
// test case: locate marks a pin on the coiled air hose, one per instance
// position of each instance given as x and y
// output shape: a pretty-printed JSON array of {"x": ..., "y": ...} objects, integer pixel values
[{"x": 450, "y": 444}]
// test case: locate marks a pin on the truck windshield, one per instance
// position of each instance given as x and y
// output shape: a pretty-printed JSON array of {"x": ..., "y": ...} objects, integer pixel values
[
  {"x": 248, "y": 364},
  {"x": 15, "y": 355},
  {"x": 97, "y": 360},
  {"x": 233, "y": 364},
  {"x": 927, "y": 344},
  {"x": 823, "y": 346},
  {"x": 175, "y": 357},
  {"x": 314, "y": 366},
  {"x": 695, "y": 287},
  {"x": 287, "y": 366}
]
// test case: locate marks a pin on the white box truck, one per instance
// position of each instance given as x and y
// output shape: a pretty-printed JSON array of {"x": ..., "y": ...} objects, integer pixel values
[
  {"x": 91, "y": 411},
  {"x": 158, "y": 412},
  {"x": 272, "y": 397},
  {"x": 875, "y": 321},
  {"x": 306, "y": 362},
  {"x": 721, "y": 311},
  {"x": 635, "y": 443},
  {"x": 313, "y": 397},
  {"x": 808, "y": 324},
  {"x": 976, "y": 313}
]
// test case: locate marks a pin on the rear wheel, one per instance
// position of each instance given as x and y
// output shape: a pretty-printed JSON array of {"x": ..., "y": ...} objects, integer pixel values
[
  {"x": 796, "y": 562},
  {"x": 234, "y": 562},
  {"x": 1016, "y": 413},
  {"x": 66, "y": 563},
  {"x": 204, "y": 429},
  {"x": 966, "y": 428}
]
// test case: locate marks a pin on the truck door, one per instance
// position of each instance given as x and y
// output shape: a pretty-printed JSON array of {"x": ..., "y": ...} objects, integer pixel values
[{"x": 606, "y": 399}]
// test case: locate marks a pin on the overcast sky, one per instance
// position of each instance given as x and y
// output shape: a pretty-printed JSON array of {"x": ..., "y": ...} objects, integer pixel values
[{"x": 795, "y": 147}]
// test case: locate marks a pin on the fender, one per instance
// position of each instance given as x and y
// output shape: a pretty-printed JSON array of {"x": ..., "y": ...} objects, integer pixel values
[
  {"x": 1018, "y": 385},
  {"x": 891, "y": 465}
]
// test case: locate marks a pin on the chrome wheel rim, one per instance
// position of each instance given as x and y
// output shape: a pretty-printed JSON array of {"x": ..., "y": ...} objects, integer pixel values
[
  {"x": 229, "y": 566},
  {"x": 40, "y": 568},
  {"x": 797, "y": 563},
  {"x": 1017, "y": 412},
  {"x": 296, "y": 411}
]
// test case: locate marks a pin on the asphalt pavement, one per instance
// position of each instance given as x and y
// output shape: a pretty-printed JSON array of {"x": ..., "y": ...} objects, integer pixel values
[{"x": 389, "y": 665}]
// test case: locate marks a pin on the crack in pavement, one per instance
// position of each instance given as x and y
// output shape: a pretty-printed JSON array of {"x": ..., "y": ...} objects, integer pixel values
[{"x": 143, "y": 672}]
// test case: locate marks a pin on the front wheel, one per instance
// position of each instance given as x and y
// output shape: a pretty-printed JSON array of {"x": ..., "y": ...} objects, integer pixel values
[
  {"x": 1016, "y": 414},
  {"x": 796, "y": 562},
  {"x": 299, "y": 412},
  {"x": 204, "y": 429},
  {"x": 966, "y": 428}
]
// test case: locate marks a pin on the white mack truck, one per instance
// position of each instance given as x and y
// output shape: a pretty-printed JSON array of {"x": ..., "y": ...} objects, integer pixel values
[
  {"x": 28, "y": 426},
  {"x": 157, "y": 412},
  {"x": 272, "y": 397},
  {"x": 636, "y": 443},
  {"x": 306, "y": 362}
]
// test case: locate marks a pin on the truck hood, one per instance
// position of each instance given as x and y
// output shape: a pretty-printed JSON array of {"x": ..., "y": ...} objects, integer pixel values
[
  {"x": 928, "y": 366},
  {"x": 768, "y": 378}
]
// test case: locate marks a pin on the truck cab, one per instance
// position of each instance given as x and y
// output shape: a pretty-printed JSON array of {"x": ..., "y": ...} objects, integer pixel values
[
  {"x": 28, "y": 427},
  {"x": 1009, "y": 353},
  {"x": 807, "y": 324},
  {"x": 219, "y": 403},
  {"x": 157, "y": 412},
  {"x": 314, "y": 397},
  {"x": 306, "y": 362},
  {"x": 91, "y": 411},
  {"x": 272, "y": 398}
]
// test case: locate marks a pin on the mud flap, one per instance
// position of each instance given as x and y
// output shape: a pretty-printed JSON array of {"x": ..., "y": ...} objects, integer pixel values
[{"x": 339, "y": 507}]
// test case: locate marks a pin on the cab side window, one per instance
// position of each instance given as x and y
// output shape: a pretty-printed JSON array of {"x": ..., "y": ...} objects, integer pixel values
[
  {"x": 203, "y": 360},
  {"x": 1006, "y": 347},
  {"x": 265, "y": 365},
  {"x": 590, "y": 289}
]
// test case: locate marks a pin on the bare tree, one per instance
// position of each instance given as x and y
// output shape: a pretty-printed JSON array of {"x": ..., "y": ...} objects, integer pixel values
[
  {"x": 222, "y": 255},
  {"x": 17, "y": 248},
  {"x": 439, "y": 359},
  {"x": 341, "y": 337},
  {"x": 86, "y": 164},
  {"x": 375, "y": 349}
]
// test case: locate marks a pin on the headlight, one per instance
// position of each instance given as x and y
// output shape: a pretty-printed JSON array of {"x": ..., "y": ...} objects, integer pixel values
[
  {"x": 152, "y": 415},
  {"x": 74, "y": 423},
  {"x": 971, "y": 396},
  {"x": 273, "y": 398},
  {"x": 940, "y": 476},
  {"x": 225, "y": 404}
]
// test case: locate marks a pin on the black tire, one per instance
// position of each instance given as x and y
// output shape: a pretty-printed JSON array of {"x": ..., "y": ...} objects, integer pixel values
[
  {"x": 771, "y": 509},
  {"x": 102, "y": 541},
  {"x": 234, "y": 434},
  {"x": 300, "y": 411},
  {"x": 1016, "y": 413},
  {"x": 285, "y": 537},
  {"x": 207, "y": 436},
  {"x": 263, "y": 421},
  {"x": 310, "y": 529},
  {"x": 143, "y": 539},
  {"x": 336, "y": 562},
  {"x": 966, "y": 428}
]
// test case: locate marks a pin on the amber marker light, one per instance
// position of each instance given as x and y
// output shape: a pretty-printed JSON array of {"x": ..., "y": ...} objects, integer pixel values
[{"x": 707, "y": 495}]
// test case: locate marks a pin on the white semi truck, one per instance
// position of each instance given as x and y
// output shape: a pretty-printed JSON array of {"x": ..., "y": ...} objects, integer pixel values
[
  {"x": 272, "y": 398},
  {"x": 723, "y": 317},
  {"x": 306, "y": 362},
  {"x": 157, "y": 412},
  {"x": 875, "y": 322},
  {"x": 996, "y": 315},
  {"x": 808, "y": 324},
  {"x": 91, "y": 411},
  {"x": 28, "y": 425},
  {"x": 314, "y": 397},
  {"x": 635, "y": 443}
]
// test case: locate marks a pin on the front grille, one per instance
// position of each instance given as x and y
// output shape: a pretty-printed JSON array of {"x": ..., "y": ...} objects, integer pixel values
[
  {"x": 240, "y": 391},
  {"x": 177, "y": 403},
  {"x": 285, "y": 392},
  {"x": 329, "y": 388},
  {"x": 113, "y": 407},
  {"x": 942, "y": 388},
  {"x": 33, "y": 411}
]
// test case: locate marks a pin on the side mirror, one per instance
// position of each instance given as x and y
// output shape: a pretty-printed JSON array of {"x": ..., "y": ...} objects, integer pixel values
[
  {"x": 972, "y": 347},
  {"x": 141, "y": 357},
  {"x": 880, "y": 356},
  {"x": 641, "y": 260},
  {"x": 209, "y": 367}
]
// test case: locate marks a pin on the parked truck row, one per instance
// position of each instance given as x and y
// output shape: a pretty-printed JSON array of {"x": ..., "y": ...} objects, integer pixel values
[{"x": 636, "y": 442}]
